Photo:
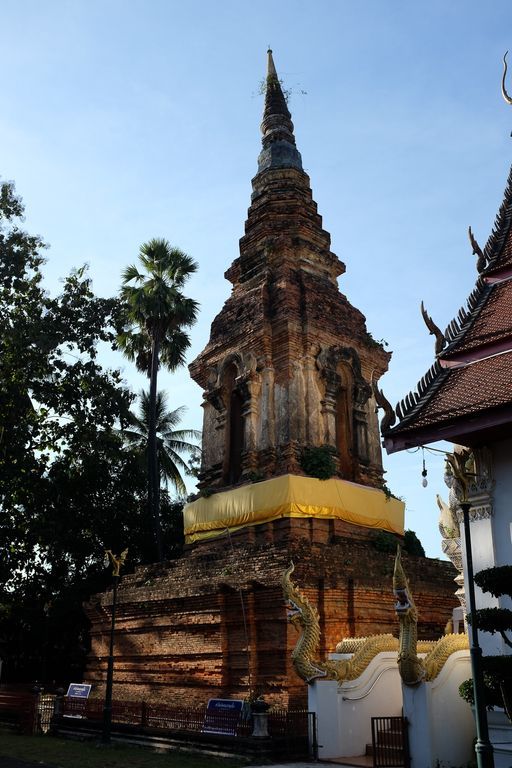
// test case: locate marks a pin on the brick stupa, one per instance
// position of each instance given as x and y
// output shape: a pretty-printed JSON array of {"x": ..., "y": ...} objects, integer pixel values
[{"x": 287, "y": 370}]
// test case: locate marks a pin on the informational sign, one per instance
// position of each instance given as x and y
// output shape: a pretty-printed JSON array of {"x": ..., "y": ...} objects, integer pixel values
[
  {"x": 79, "y": 690},
  {"x": 222, "y": 716}
]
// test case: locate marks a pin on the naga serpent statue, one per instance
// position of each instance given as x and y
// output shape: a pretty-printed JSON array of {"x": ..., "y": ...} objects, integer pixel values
[
  {"x": 304, "y": 617},
  {"x": 413, "y": 669}
]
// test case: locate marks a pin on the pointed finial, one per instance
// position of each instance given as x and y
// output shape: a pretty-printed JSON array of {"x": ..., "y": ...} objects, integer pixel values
[
  {"x": 279, "y": 150},
  {"x": 271, "y": 67}
]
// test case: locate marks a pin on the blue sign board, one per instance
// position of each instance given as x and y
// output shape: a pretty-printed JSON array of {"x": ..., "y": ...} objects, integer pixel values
[
  {"x": 79, "y": 690},
  {"x": 222, "y": 716}
]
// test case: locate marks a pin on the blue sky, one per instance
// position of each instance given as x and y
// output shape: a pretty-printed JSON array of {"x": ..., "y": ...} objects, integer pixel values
[{"x": 122, "y": 121}]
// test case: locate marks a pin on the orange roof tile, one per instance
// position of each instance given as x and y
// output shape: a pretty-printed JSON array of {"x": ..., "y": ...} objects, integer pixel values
[{"x": 472, "y": 389}]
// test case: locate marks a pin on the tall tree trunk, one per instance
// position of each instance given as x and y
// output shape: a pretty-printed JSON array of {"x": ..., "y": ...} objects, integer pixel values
[{"x": 153, "y": 473}]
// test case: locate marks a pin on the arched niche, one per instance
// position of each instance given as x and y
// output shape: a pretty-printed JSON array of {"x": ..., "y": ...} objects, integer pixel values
[
  {"x": 344, "y": 432},
  {"x": 234, "y": 427}
]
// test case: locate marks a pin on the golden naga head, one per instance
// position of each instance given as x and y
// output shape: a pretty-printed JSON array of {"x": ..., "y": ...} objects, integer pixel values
[
  {"x": 401, "y": 586},
  {"x": 293, "y": 611}
]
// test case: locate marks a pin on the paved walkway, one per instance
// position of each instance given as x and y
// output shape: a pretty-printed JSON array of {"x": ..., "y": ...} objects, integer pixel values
[
  {"x": 12, "y": 762},
  {"x": 355, "y": 762}
]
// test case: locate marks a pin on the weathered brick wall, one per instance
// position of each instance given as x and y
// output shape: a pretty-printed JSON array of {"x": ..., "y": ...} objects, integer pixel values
[
  {"x": 180, "y": 634},
  {"x": 284, "y": 310}
]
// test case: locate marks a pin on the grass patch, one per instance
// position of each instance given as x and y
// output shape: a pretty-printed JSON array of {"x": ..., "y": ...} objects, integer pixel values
[{"x": 66, "y": 753}]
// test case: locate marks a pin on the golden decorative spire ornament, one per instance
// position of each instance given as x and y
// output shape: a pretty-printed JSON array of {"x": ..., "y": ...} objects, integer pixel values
[{"x": 117, "y": 561}]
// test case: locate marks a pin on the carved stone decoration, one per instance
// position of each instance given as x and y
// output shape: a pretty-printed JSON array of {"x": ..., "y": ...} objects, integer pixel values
[
  {"x": 328, "y": 361},
  {"x": 483, "y": 480},
  {"x": 449, "y": 527},
  {"x": 480, "y": 482},
  {"x": 216, "y": 398},
  {"x": 479, "y": 494}
]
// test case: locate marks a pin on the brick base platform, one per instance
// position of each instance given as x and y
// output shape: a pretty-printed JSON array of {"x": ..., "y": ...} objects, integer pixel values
[{"x": 180, "y": 630}]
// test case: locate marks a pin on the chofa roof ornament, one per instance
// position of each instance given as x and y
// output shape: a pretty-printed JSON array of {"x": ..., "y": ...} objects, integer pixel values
[
  {"x": 477, "y": 251},
  {"x": 389, "y": 417},
  {"x": 433, "y": 330},
  {"x": 507, "y": 98}
]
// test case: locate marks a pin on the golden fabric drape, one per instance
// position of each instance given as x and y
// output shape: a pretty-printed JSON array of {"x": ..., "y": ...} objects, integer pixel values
[{"x": 292, "y": 496}]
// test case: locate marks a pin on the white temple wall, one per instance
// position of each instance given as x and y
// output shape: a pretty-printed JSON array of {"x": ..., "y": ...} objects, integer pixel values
[
  {"x": 491, "y": 538},
  {"x": 441, "y": 724},
  {"x": 344, "y": 711},
  {"x": 502, "y": 518}
]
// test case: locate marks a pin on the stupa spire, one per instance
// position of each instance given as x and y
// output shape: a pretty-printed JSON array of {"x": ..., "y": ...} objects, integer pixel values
[{"x": 279, "y": 150}]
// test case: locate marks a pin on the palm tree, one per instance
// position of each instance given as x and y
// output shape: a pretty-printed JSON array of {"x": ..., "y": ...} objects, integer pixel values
[
  {"x": 171, "y": 442},
  {"x": 157, "y": 312}
]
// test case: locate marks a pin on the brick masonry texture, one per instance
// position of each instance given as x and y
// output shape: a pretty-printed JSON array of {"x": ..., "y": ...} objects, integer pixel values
[{"x": 180, "y": 635}]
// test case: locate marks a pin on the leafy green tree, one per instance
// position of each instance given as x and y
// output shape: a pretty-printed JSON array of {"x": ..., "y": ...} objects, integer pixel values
[
  {"x": 157, "y": 314},
  {"x": 497, "y": 581},
  {"x": 70, "y": 486},
  {"x": 412, "y": 544},
  {"x": 172, "y": 443}
]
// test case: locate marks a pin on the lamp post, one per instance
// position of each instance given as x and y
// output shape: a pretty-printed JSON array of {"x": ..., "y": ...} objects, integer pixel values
[
  {"x": 46, "y": 610},
  {"x": 116, "y": 562},
  {"x": 483, "y": 748}
]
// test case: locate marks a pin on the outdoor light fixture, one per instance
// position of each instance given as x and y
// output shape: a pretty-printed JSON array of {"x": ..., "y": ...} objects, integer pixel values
[
  {"x": 424, "y": 481},
  {"x": 117, "y": 561},
  {"x": 483, "y": 748}
]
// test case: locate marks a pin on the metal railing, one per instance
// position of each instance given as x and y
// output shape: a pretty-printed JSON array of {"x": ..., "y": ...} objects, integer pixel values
[
  {"x": 293, "y": 732},
  {"x": 390, "y": 742},
  {"x": 294, "y": 729}
]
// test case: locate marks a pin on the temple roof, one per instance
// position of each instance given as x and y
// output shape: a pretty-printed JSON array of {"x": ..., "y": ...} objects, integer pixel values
[
  {"x": 279, "y": 150},
  {"x": 468, "y": 389}
]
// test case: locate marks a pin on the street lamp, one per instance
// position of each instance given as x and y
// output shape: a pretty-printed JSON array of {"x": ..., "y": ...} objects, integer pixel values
[
  {"x": 483, "y": 748},
  {"x": 46, "y": 610},
  {"x": 116, "y": 561}
]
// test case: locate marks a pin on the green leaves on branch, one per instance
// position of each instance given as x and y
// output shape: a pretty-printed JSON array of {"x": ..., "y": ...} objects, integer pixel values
[
  {"x": 497, "y": 669},
  {"x": 155, "y": 317},
  {"x": 155, "y": 306},
  {"x": 69, "y": 485},
  {"x": 497, "y": 581},
  {"x": 318, "y": 461},
  {"x": 172, "y": 443}
]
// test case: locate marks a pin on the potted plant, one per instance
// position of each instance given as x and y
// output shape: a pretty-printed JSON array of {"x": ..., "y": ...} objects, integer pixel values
[{"x": 497, "y": 669}]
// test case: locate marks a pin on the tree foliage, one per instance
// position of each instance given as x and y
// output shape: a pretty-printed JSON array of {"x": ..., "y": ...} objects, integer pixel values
[
  {"x": 172, "y": 443},
  {"x": 70, "y": 485},
  {"x": 156, "y": 316},
  {"x": 497, "y": 669}
]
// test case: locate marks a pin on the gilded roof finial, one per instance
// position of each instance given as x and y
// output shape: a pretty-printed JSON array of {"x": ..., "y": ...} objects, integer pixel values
[{"x": 503, "y": 87}]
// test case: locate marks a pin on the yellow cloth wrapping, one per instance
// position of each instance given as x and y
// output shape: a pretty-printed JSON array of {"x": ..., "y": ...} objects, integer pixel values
[{"x": 292, "y": 496}]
